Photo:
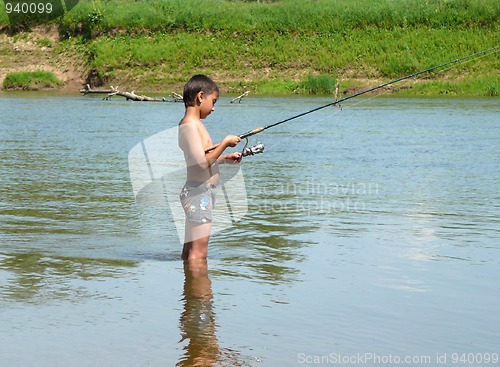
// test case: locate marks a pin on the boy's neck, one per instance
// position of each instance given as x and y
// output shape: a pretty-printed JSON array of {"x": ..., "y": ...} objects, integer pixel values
[{"x": 192, "y": 113}]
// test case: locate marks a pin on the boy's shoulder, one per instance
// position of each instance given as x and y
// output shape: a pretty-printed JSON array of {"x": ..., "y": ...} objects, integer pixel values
[
  {"x": 190, "y": 120},
  {"x": 191, "y": 126},
  {"x": 188, "y": 127}
]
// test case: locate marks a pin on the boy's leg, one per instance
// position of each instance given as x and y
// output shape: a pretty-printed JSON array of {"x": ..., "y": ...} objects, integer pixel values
[
  {"x": 199, "y": 249},
  {"x": 196, "y": 241},
  {"x": 185, "y": 250}
]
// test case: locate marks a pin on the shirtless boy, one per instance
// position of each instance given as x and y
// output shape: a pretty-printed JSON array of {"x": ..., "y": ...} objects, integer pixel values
[{"x": 198, "y": 194}]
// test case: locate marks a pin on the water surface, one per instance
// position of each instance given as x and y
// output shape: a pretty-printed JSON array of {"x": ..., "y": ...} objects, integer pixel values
[{"x": 370, "y": 231}]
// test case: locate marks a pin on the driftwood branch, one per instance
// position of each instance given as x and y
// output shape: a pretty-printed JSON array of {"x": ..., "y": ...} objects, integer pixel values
[
  {"x": 336, "y": 95},
  {"x": 240, "y": 97},
  {"x": 89, "y": 90},
  {"x": 130, "y": 96},
  {"x": 177, "y": 97}
]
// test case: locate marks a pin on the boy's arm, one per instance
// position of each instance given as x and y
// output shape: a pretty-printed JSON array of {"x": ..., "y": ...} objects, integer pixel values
[
  {"x": 216, "y": 154},
  {"x": 234, "y": 157},
  {"x": 191, "y": 144}
]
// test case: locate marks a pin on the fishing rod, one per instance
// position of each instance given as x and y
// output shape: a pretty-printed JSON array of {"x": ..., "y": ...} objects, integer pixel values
[{"x": 259, "y": 148}]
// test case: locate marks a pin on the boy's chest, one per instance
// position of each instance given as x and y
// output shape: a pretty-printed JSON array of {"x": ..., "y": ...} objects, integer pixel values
[{"x": 205, "y": 137}]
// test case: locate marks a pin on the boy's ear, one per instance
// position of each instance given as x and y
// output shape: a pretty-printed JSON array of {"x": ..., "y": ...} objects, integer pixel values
[{"x": 200, "y": 96}]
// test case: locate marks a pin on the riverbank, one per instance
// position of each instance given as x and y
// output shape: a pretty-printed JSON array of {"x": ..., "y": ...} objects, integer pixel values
[{"x": 283, "y": 47}]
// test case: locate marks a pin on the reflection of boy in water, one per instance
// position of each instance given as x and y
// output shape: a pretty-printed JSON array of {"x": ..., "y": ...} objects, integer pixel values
[
  {"x": 197, "y": 320},
  {"x": 197, "y": 323},
  {"x": 198, "y": 194}
]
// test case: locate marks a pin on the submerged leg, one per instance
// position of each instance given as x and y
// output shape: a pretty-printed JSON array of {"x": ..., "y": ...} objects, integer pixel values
[
  {"x": 196, "y": 241},
  {"x": 185, "y": 250}
]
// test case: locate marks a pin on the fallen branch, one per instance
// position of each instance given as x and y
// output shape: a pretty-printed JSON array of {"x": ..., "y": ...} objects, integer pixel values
[
  {"x": 177, "y": 97},
  {"x": 130, "y": 96},
  {"x": 336, "y": 95},
  {"x": 89, "y": 90},
  {"x": 240, "y": 97}
]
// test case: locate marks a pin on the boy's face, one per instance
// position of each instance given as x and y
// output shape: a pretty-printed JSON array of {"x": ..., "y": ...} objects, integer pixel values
[{"x": 207, "y": 105}]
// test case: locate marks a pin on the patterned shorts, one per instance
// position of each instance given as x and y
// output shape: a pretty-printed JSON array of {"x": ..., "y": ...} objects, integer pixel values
[{"x": 198, "y": 201}]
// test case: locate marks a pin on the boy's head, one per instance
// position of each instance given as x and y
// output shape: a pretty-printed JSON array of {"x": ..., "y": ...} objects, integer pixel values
[{"x": 198, "y": 83}]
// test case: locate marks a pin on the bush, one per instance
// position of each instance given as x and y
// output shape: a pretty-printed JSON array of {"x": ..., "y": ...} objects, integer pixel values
[
  {"x": 31, "y": 80},
  {"x": 321, "y": 84}
]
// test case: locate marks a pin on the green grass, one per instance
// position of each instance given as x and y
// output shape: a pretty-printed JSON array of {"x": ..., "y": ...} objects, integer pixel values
[
  {"x": 363, "y": 54},
  {"x": 284, "y": 16},
  {"x": 321, "y": 84},
  {"x": 285, "y": 46},
  {"x": 30, "y": 80},
  {"x": 486, "y": 87}
]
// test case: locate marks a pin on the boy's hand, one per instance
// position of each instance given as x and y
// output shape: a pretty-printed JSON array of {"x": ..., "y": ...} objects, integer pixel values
[
  {"x": 234, "y": 157},
  {"x": 231, "y": 140}
]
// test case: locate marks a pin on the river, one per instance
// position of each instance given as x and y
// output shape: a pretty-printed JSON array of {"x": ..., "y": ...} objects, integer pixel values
[{"x": 362, "y": 235}]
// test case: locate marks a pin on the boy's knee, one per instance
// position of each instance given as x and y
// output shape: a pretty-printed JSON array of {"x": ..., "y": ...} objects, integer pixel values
[{"x": 197, "y": 249}]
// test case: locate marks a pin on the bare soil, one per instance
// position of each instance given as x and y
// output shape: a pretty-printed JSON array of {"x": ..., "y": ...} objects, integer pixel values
[{"x": 39, "y": 50}]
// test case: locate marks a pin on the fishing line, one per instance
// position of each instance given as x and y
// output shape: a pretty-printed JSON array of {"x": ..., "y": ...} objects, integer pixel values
[
  {"x": 338, "y": 101},
  {"x": 386, "y": 91},
  {"x": 255, "y": 131}
]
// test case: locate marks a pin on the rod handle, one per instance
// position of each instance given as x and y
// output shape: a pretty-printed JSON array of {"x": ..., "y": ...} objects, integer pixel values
[
  {"x": 252, "y": 132},
  {"x": 242, "y": 136}
]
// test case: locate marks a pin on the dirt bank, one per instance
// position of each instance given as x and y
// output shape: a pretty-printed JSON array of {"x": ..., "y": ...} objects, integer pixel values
[{"x": 41, "y": 49}]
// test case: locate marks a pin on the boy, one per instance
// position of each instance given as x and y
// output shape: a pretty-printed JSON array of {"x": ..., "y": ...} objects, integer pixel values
[{"x": 198, "y": 194}]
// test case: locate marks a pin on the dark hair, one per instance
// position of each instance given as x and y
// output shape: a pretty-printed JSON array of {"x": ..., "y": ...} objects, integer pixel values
[{"x": 198, "y": 83}]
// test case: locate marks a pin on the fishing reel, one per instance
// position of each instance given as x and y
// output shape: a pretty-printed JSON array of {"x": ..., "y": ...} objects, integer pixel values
[{"x": 256, "y": 149}]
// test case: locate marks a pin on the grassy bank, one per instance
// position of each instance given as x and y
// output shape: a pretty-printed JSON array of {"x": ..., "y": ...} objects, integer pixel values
[
  {"x": 31, "y": 80},
  {"x": 286, "y": 46}
]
